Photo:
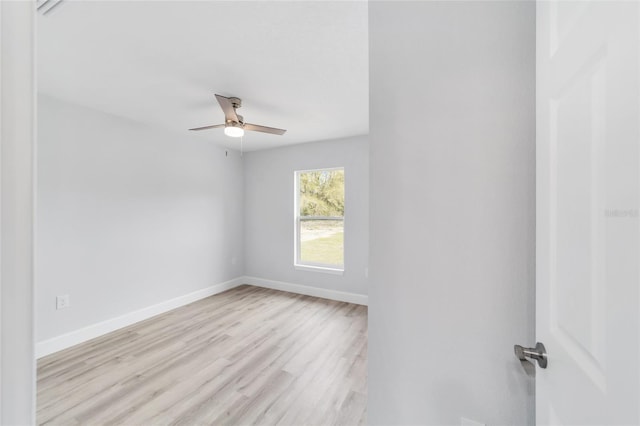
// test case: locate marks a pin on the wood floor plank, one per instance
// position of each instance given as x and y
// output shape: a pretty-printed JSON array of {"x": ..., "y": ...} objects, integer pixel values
[{"x": 246, "y": 356}]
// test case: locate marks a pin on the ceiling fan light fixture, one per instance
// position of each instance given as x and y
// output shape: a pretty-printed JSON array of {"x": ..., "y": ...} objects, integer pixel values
[{"x": 233, "y": 130}]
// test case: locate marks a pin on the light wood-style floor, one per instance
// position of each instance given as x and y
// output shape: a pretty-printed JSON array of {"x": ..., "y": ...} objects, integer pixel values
[{"x": 246, "y": 356}]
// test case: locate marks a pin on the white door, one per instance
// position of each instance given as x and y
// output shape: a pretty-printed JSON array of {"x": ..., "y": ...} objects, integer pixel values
[{"x": 588, "y": 120}]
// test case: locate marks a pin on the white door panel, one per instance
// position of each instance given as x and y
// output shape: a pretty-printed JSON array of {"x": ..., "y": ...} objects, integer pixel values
[{"x": 587, "y": 212}]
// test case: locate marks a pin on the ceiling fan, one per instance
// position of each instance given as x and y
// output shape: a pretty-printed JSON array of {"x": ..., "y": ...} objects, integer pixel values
[{"x": 234, "y": 124}]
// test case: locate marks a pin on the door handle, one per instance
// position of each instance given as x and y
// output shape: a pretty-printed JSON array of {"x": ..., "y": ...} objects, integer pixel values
[{"x": 539, "y": 353}]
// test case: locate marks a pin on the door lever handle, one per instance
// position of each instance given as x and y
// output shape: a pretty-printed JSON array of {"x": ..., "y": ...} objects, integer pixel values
[{"x": 539, "y": 353}]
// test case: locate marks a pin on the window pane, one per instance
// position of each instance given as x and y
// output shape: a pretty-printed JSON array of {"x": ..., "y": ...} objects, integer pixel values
[
  {"x": 322, "y": 241},
  {"x": 322, "y": 193}
]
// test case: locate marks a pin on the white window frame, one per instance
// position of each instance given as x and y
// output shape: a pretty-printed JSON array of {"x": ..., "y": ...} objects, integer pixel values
[{"x": 297, "y": 262}]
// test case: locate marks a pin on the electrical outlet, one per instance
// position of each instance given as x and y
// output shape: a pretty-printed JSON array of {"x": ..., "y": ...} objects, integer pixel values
[{"x": 63, "y": 302}]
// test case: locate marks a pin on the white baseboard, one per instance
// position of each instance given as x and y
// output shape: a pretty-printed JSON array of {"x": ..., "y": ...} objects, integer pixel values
[
  {"x": 73, "y": 338},
  {"x": 341, "y": 296},
  {"x": 67, "y": 340}
]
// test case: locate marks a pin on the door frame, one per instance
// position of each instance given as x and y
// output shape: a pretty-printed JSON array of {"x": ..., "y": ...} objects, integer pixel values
[{"x": 17, "y": 199}]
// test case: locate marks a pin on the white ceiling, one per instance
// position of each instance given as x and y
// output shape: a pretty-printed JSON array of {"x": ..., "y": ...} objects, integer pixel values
[{"x": 297, "y": 65}]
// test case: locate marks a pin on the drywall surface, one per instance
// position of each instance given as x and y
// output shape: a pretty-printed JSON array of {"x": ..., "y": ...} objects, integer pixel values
[
  {"x": 128, "y": 217},
  {"x": 269, "y": 216},
  {"x": 17, "y": 142},
  {"x": 452, "y": 142}
]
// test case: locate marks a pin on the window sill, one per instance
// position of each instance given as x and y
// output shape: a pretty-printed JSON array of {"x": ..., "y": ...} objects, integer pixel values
[{"x": 322, "y": 269}]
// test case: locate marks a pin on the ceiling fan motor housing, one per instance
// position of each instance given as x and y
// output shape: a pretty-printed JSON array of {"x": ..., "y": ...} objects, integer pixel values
[{"x": 240, "y": 120}]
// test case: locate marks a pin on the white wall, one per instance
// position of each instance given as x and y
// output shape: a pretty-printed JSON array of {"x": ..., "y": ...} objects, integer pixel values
[
  {"x": 452, "y": 211},
  {"x": 128, "y": 216},
  {"x": 17, "y": 140},
  {"x": 269, "y": 217}
]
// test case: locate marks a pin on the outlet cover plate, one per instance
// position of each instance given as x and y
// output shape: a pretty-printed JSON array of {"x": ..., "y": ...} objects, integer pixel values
[{"x": 63, "y": 302}]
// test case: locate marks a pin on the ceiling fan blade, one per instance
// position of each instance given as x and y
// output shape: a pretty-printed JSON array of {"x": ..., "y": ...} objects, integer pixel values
[
  {"x": 264, "y": 129},
  {"x": 215, "y": 126},
  {"x": 227, "y": 107}
]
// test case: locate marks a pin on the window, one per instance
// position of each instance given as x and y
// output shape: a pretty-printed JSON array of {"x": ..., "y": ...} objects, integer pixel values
[{"x": 319, "y": 212}]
